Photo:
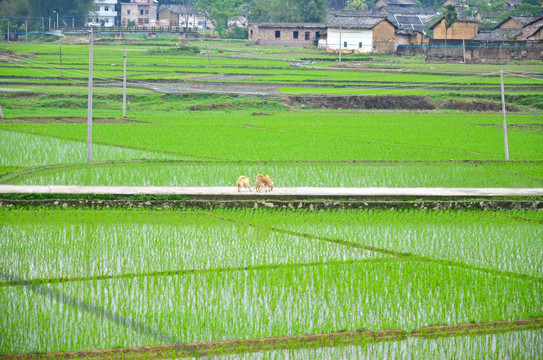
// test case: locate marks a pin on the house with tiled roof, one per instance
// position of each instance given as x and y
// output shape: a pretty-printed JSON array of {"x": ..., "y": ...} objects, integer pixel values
[
  {"x": 464, "y": 28},
  {"x": 517, "y": 22},
  {"x": 286, "y": 33},
  {"x": 534, "y": 30},
  {"x": 360, "y": 32}
]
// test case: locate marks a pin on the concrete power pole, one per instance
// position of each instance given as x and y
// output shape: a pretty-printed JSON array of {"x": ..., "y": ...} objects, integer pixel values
[
  {"x": 89, "y": 118},
  {"x": 209, "y": 59},
  {"x": 124, "y": 84},
  {"x": 340, "y": 44},
  {"x": 60, "y": 54},
  {"x": 504, "y": 118}
]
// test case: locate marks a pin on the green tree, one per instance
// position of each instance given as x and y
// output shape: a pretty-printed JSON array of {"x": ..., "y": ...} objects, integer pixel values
[
  {"x": 527, "y": 7},
  {"x": 287, "y": 10},
  {"x": 356, "y": 5},
  {"x": 221, "y": 11},
  {"x": 450, "y": 15},
  {"x": 44, "y": 8}
]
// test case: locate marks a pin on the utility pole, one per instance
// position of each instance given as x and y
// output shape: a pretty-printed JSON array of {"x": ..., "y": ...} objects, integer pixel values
[
  {"x": 42, "y": 24},
  {"x": 124, "y": 84},
  {"x": 8, "y": 29},
  {"x": 340, "y": 44},
  {"x": 49, "y": 23},
  {"x": 57, "y": 18},
  {"x": 89, "y": 118},
  {"x": 504, "y": 118},
  {"x": 26, "y": 30},
  {"x": 1, "y": 115},
  {"x": 60, "y": 53},
  {"x": 463, "y": 47},
  {"x": 209, "y": 58}
]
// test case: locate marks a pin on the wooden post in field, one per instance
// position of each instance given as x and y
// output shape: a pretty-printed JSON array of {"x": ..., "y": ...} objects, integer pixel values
[
  {"x": 124, "y": 84},
  {"x": 504, "y": 118},
  {"x": 8, "y": 29},
  {"x": 26, "y": 30},
  {"x": 60, "y": 54},
  {"x": 89, "y": 118},
  {"x": 340, "y": 44},
  {"x": 1, "y": 115},
  {"x": 209, "y": 58}
]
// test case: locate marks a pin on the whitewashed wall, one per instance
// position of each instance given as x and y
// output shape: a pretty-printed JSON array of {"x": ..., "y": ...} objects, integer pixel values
[{"x": 352, "y": 37}]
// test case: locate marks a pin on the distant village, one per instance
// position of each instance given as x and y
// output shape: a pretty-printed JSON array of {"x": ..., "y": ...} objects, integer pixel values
[{"x": 403, "y": 27}]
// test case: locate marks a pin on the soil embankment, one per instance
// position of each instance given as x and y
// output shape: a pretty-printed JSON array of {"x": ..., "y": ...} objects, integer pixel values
[{"x": 391, "y": 102}]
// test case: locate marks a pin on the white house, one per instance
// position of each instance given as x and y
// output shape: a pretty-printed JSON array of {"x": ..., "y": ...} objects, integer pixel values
[
  {"x": 103, "y": 13},
  {"x": 360, "y": 32},
  {"x": 183, "y": 16}
]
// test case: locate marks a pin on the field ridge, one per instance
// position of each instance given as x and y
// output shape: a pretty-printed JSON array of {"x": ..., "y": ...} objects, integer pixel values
[{"x": 339, "y": 338}]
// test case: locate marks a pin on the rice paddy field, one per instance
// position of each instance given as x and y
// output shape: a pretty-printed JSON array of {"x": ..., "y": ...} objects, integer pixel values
[{"x": 265, "y": 283}]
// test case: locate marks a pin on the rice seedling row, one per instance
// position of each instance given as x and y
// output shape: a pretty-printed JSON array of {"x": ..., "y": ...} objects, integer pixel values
[{"x": 286, "y": 174}]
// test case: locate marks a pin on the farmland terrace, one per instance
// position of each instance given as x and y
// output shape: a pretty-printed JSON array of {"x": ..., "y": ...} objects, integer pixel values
[{"x": 400, "y": 224}]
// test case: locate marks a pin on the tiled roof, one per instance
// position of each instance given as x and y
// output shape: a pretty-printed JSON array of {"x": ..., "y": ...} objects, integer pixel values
[
  {"x": 401, "y": 2},
  {"x": 414, "y": 10},
  {"x": 355, "y": 22},
  {"x": 290, "y": 25},
  {"x": 499, "y": 35},
  {"x": 530, "y": 29}
]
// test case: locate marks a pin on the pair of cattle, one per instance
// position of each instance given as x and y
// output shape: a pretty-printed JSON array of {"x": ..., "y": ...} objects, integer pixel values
[{"x": 263, "y": 182}]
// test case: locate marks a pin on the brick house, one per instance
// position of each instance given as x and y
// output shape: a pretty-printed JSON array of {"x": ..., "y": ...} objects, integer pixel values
[
  {"x": 286, "y": 33},
  {"x": 141, "y": 12},
  {"x": 464, "y": 28},
  {"x": 360, "y": 32}
]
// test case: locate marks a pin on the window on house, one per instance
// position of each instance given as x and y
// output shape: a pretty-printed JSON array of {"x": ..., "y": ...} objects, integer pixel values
[
  {"x": 106, "y": 8},
  {"x": 146, "y": 12},
  {"x": 307, "y": 35},
  {"x": 107, "y": 20},
  {"x": 318, "y": 34},
  {"x": 147, "y": 20},
  {"x": 98, "y": 8},
  {"x": 277, "y": 34},
  {"x": 345, "y": 44},
  {"x": 295, "y": 34},
  {"x": 360, "y": 44},
  {"x": 251, "y": 33},
  {"x": 141, "y": 12},
  {"x": 127, "y": 12}
]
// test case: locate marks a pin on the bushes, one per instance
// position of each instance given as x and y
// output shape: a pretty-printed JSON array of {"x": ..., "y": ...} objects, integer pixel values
[{"x": 176, "y": 50}]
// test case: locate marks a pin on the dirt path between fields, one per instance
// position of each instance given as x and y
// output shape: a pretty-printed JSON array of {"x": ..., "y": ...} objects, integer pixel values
[{"x": 340, "y": 338}]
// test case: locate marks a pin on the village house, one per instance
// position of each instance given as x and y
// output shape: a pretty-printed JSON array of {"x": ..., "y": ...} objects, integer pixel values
[
  {"x": 534, "y": 30},
  {"x": 410, "y": 30},
  {"x": 286, "y": 33},
  {"x": 183, "y": 16},
  {"x": 103, "y": 13},
  {"x": 139, "y": 12},
  {"x": 360, "y": 32},
  {"x": 464, "y": 28},
  {"x": 517, "y": 22}
]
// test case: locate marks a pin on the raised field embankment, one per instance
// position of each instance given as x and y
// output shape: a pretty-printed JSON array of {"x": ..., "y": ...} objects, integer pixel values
[{"x": 313, "y": 198}]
